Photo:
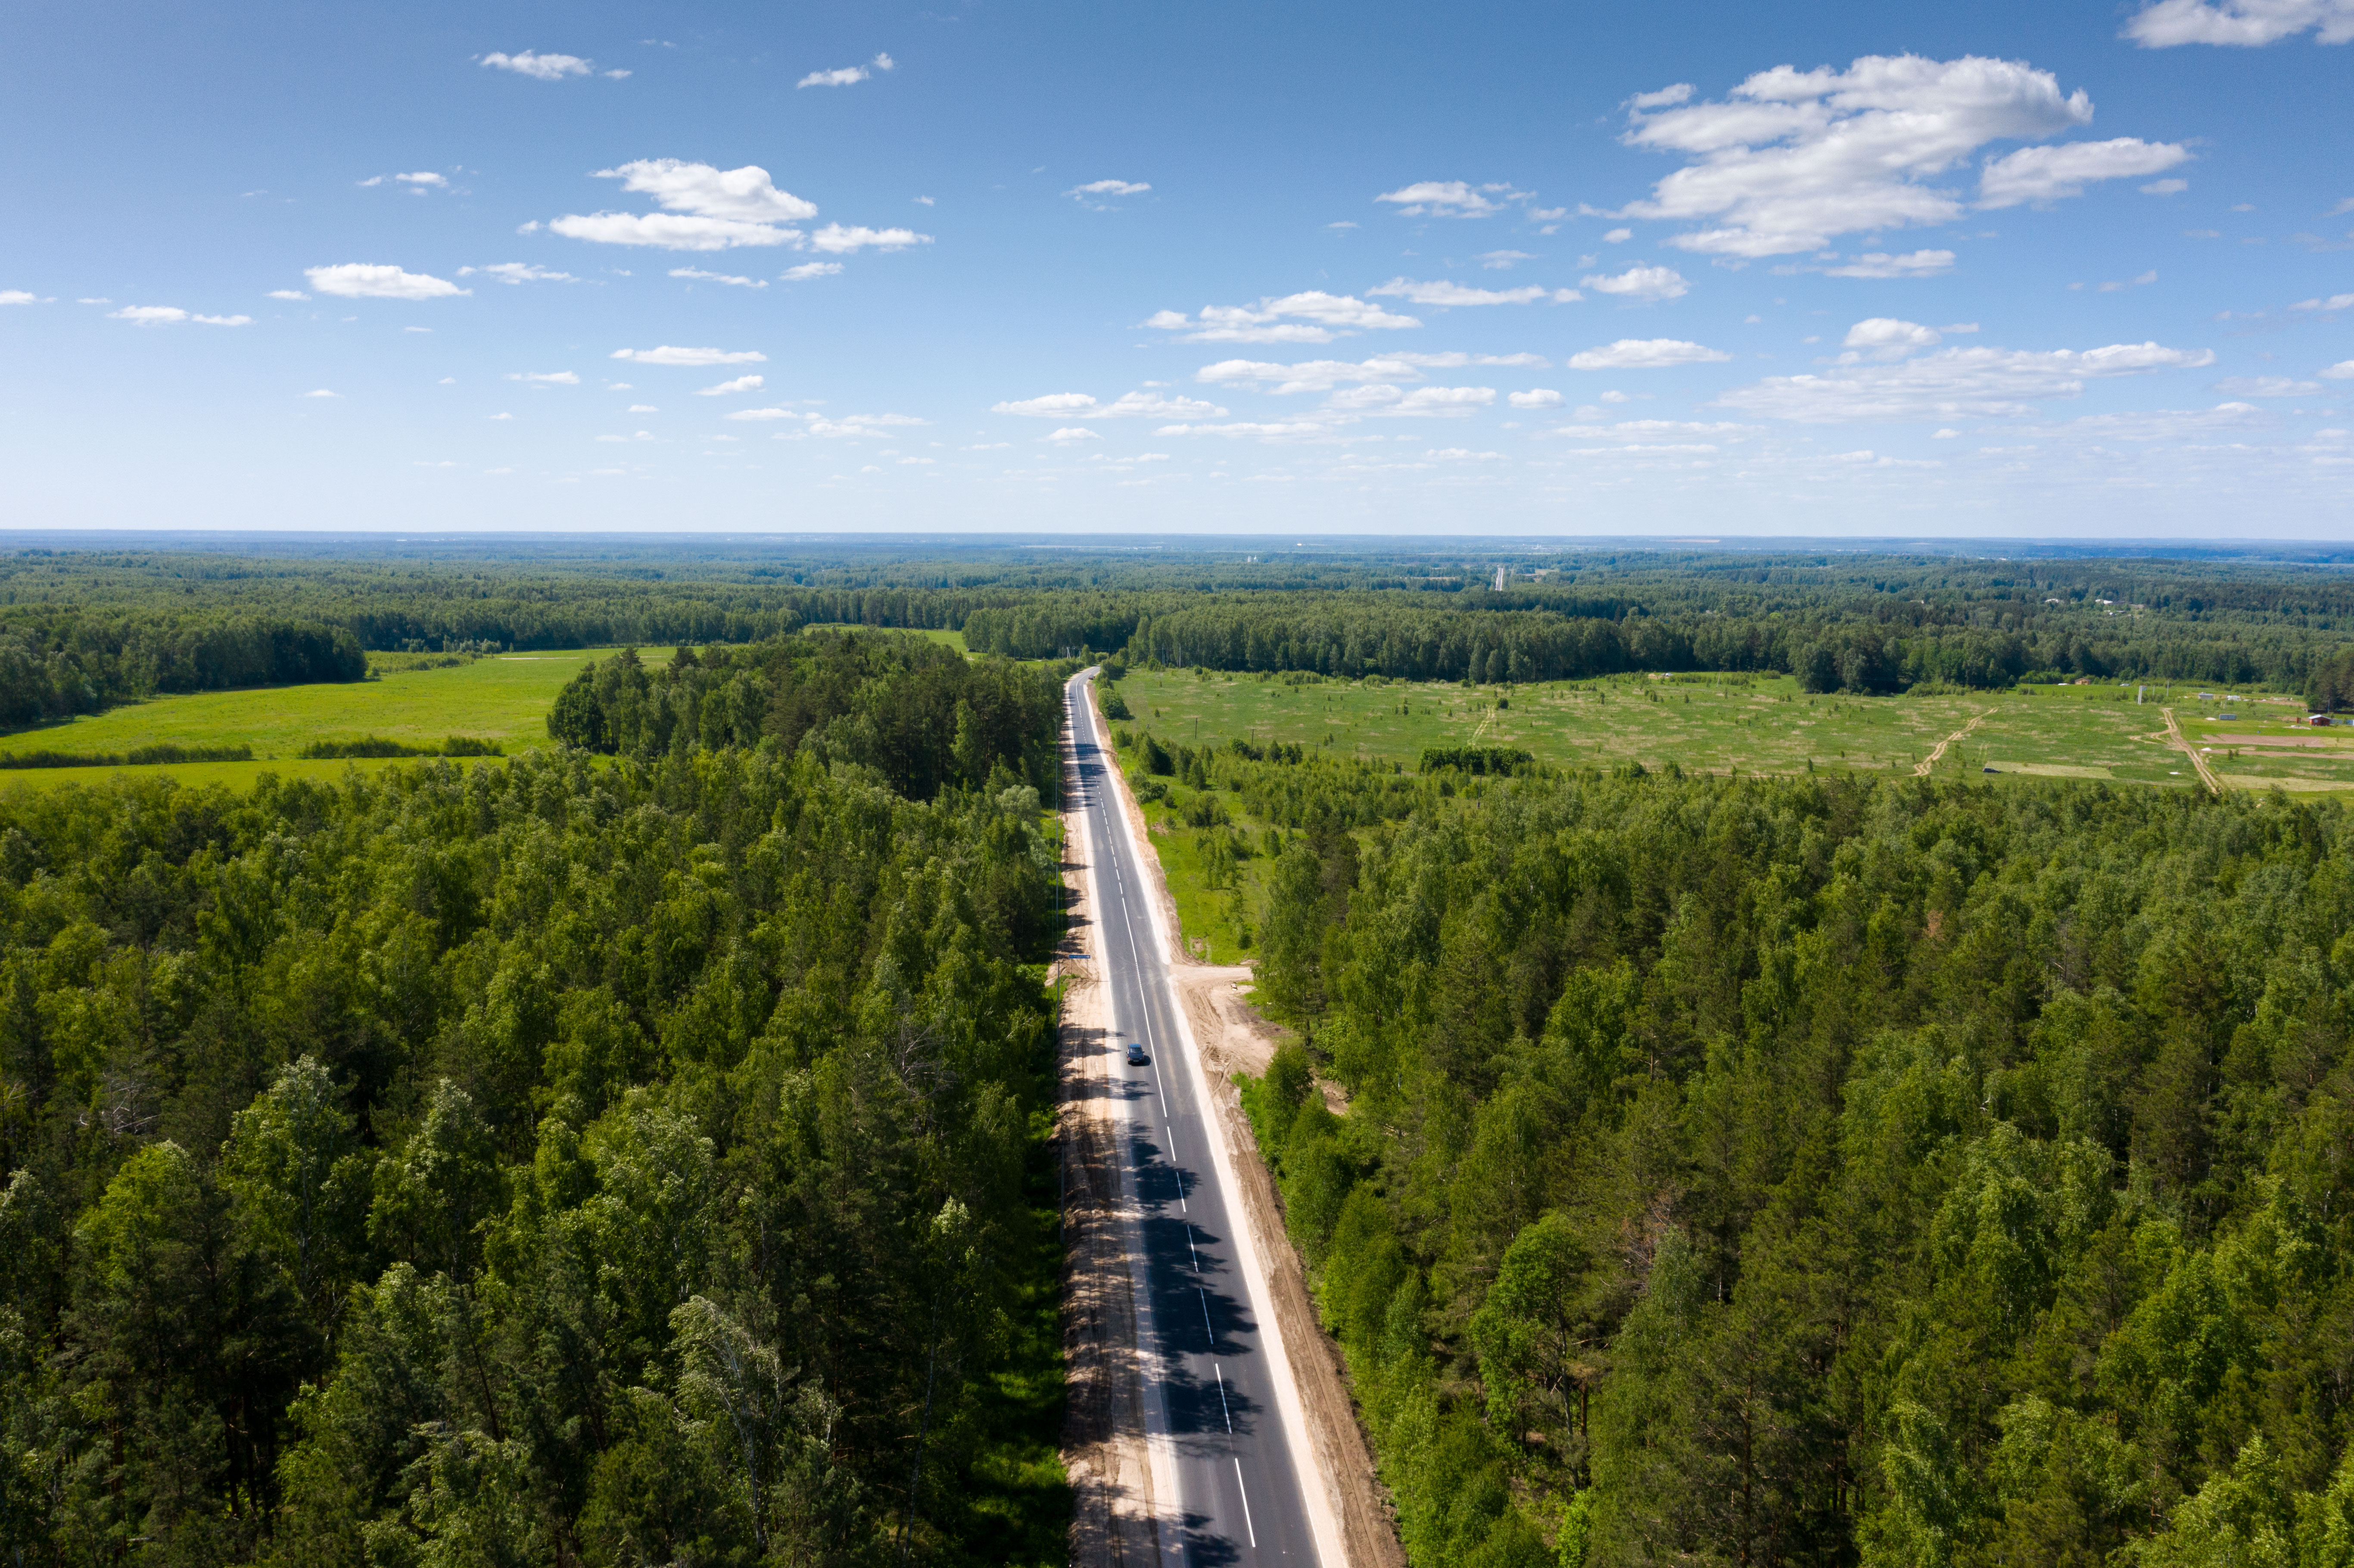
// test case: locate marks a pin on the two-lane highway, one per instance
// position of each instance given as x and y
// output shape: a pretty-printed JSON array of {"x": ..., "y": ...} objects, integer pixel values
[{"x": 1223, "y": 1419}]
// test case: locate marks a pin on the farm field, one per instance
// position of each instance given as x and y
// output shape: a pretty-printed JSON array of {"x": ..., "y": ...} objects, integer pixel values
[
  {"x": 501, "y": 697},
  {"x": 1725, "y": 723}
]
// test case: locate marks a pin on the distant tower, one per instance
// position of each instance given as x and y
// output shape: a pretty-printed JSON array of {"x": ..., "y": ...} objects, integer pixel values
[{"x": 1500, "y": 579}]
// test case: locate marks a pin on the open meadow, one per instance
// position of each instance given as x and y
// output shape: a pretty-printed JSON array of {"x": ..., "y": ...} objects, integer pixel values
[
  {"x": 417, "y": 699},
  {"x": 1722, "y": 723}
]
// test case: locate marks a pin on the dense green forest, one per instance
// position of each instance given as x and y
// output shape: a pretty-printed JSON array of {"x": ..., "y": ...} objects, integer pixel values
[
  {"x": 572, "y": 1160},
  {"x": 92, "y": 628},
  {"x": 1825, "y": 1169}
]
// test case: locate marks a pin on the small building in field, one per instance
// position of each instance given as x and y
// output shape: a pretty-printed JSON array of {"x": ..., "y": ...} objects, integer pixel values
[{"x": 2319, "y": 721}]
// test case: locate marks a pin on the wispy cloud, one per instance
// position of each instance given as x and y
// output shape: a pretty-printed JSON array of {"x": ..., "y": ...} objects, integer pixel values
[
  {"x": 692, "y": 358},
  {"x": 845, "y": 75},
  {"x": 1313, "y": 316},
  {"x": 698, "y": 275}
]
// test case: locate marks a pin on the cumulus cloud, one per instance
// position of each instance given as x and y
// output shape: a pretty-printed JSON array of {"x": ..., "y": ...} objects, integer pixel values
[
  {"x": 704, "y": 208},
  {"x": 1094, "y": 192},
  {"x": 2341, "y": 371},
  {"x": 2241, "y": 23},
  {"x": 150, "y": 315},
  {"x": 1130, "y": 405},
  {"x": 1953, "y": 383},
  {"x": 539, "y": 67},
  {"x": 223, "y": 320},
  {"x": 1791, "y": 159},
  {"x": 424, "y": 179},
  {"x": 845, "y": 75},
  {"x": 728, "y": 388},
  {"x": 1881, "y": 264},
  {"x": 1449, "y": 198},
  {"x": 836, "y": 241},
  {"x": 694, "y": 358},
  {"x": 855, "y": 424},
  {"x": 374, "y": 280},
  {"x": 698, "y": 275},
  {"x": 1072, "y": 435},
  {"x": 515, "y": 273},
  {"x": 1646, "y": 354},
  {"x": 1313, "y": 316},
  {"x": 1387, "y": 401},
  {"x": 1642, "y": 284},
  {"x": 1886, "y": 338},
  {"x": 1537, "y": 398},
  {"x": 546, "y": 377},
  {"x": 2048, "y": 174},
  {"x": 1323, "y": 375},
  {"x": 1443, "y": 293},
  {"x": 2334, "y": 302},
  {"x": 17, "y": 297},
  {"x": 808, "y": 270}
]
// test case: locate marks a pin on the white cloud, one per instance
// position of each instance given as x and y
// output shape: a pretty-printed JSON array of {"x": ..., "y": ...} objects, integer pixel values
[
  {"x": 1323, "y": 375},
  {"x": 1247, "y": 427},
  {"x": 17, "y": 297},
  {"x": 699, "y": 275},
  {"x": 725, "y": 388},
  {"x": 1881, "y": 264},
  {"x": 758, "y": 415},
  {"x": 1131, "y": 404},
  {"x": 321, "y": 392},
  {"x": 1886, "y": 338},
  {"x": 2166, "y": 188},
  {"x": 1537, "y": 398},
  {"x": 617, "y": 74},
  {"x": 1655, "y": 429},
  {"x": 2334, "y": 302},
  {"x": 2048, "y": 174},
  {"x": 1985, "y": 381},
  {"x": 845, "y": 75},
  {"x": 694, "y": 358},
  {"x": 102, "y": 300},
  {"x": 540, "y": 67},
  {"x": 371, "y": 281},
  {"x": 1443, "y": 293},
  {"x": 1449, "y": 198},
  {"x": 1503, "y": 260},
  {"x": 1642, "y": 283},
  {"x": 1793, "y": 158},
  {"x": 1645, "y": 354},
  {"x": 2173, "y": 425},
  {"x": 1618, "y": 236},
  {"x": 704, "y": 208},
  {"x": 2244, "y": 23},
  {"x": 287, "y": 294},
  {"x": 862, "y": 424},
  {"x": 1319, "y": 317},
  {"x": 2266, "y": 386},
  {"x": 518, "y": 272},
  {"x": 1679, "y": 93},
  {"x": 643, "y": 409},
  {"x": 1093, "y": 193},
  {"x": 1443, "y": 402},
  {"x": 2341, "y": 371},
  {"x": 808, "y": 270},
  {"x": 497, "y": 416},
  {"x": 546, "y": 377},
  {"x": 836, "y": 241},
  {"x": 1072, "y": 435},
  {"x": 424, "y": 178},
  {"x": 150, "y": 315}
]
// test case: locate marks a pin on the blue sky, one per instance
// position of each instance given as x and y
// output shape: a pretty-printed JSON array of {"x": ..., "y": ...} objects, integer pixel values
[{"x": 1685, "y": 268}]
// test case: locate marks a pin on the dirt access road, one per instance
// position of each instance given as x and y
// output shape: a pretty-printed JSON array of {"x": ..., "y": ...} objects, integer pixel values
[
  {"x": 2175, "y": 738},
  {"x": 1130, "y": 1451}
]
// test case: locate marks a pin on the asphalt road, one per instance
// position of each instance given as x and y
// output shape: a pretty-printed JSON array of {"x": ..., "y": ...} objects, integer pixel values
[{"x": 1210, "y": 1394}]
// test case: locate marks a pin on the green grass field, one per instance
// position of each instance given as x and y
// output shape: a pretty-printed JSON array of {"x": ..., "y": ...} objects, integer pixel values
[
  {"x": 503, "y": 697},
  {"x": 1724, "y": 724}
]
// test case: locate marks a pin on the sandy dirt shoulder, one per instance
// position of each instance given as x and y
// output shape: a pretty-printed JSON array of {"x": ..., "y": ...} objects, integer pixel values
[
  {"x": 1104, "y": 1444},
  {"x": 1232, "y": 1038}
]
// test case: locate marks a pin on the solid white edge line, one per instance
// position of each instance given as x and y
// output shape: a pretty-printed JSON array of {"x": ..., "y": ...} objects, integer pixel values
[
  {"x": 1159, "y": 1442},
  {"x": 1316, "y": 1495}
]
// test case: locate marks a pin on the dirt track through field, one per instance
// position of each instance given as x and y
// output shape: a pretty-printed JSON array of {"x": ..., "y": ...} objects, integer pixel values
[
  {"x": 1104, "y": 1448},
  {"x": 1921, "y": 769},
  {"x": 2175, "y": 738}
]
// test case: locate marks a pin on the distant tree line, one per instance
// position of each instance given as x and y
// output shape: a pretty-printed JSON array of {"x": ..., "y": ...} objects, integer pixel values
[{"x": 60, "y": 664}]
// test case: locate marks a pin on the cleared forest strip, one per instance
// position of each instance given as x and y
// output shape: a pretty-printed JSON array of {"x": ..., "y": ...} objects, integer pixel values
[{"x": 2175, "y": 738}]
